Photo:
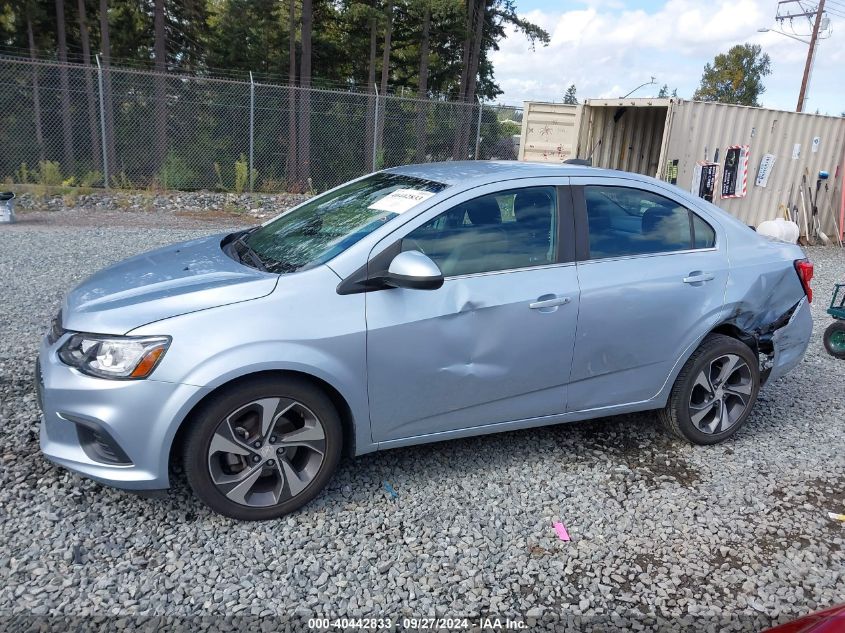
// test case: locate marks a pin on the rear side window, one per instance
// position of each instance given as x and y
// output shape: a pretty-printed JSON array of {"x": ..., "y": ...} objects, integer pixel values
[{"x": 627, "y": 221}]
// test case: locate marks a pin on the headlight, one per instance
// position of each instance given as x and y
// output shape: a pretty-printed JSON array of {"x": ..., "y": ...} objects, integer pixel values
[{"x": 127, "y": 357}]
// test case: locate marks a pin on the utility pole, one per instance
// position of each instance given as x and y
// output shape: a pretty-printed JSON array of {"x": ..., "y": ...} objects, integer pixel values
[
  {"x": 814, "y": 17},
  {"x": 810, "y": 53}
]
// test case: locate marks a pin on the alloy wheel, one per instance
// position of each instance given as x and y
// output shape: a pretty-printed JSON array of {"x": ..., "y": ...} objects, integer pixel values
[
  {"x": 721, "y": 394},
  {"x": 266, "y": 452}
]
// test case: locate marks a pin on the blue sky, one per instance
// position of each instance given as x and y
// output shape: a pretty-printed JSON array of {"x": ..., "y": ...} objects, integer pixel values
[{"x": 608, "y": 47}]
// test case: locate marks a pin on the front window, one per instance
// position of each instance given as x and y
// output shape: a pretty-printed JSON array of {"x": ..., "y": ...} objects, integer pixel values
[
  {"x": 327, "y": 225},
  {"x": 499, "y": 231}
]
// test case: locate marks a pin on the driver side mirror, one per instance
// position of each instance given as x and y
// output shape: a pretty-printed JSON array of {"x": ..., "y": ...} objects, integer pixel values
[{"x": 413, "y": 270}]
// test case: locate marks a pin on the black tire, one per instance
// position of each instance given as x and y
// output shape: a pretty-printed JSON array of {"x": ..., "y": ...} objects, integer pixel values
[
  {"x": 204, "y": 424},
  {"x": 835, "y": 330},
  {"x": 676, "y": 417}
]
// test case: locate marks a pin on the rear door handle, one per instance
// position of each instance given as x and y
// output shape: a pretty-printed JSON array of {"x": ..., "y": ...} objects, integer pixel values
[
  {"x": 549, "y": 303},
  {"x": 697, "y": 278}
]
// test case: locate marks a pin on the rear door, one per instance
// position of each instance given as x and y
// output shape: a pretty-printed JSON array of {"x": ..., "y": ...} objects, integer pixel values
[
  {"x": 494, "y": 343},
  {"x": 652, "y": 275}
]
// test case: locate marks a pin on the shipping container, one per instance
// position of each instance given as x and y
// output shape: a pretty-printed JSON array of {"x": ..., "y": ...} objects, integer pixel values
[
  {"x": 549, "y": 132},
  {"x": 752, "y": 162}
]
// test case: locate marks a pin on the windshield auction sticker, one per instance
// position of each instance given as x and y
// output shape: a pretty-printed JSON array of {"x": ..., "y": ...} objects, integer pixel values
[{"x": 401, "y": 200}]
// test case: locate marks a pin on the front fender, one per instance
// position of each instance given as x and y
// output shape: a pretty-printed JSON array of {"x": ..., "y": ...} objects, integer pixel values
[
  {"x": 303, "y": 326},
  {"x": 234, "y": 363}
]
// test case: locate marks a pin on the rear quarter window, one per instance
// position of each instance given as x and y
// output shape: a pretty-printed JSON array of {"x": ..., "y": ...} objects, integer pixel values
[{"x": 704, "y": 235}]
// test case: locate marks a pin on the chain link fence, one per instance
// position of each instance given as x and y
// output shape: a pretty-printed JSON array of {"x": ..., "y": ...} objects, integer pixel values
[{"x": 95, "y": 126}]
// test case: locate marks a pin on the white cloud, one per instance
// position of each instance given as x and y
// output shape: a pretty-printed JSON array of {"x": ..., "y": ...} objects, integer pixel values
[{"x": 606, "y": 49}]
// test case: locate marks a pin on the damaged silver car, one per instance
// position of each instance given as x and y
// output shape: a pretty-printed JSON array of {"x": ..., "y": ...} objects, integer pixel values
[{"x": 413, "y": 305}]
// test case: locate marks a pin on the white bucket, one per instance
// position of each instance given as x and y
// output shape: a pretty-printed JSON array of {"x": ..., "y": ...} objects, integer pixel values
[{"x": 779, "y": 229}]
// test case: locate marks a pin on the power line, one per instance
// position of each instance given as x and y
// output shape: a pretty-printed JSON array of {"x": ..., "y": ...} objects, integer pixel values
[
  {"x": 814, "y": 17},
  {"x": 811, "y": 51}
]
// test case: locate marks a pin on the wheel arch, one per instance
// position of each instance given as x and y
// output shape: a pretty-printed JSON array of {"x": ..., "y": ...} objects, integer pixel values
[
  {"x": 344, "y": 410},
  {"x": 760, "y": 342},
  {"x": 726, "y": 328},
  {"x": 761, "y": 349},
  {"x": 732, "y": 330}
]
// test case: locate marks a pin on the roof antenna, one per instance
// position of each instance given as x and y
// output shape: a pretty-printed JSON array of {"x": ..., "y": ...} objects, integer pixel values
[
  {"x": 586, "y": 162},
  {"x": 593, "y": 151}
]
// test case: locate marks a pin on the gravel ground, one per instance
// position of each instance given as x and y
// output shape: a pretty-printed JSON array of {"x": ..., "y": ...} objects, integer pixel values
[{"x": 664, "y": 535}]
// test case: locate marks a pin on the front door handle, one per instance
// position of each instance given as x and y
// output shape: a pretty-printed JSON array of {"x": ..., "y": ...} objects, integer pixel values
[
  {"x": 698, "y": 277},
  {"x": 548, "y": 303}
]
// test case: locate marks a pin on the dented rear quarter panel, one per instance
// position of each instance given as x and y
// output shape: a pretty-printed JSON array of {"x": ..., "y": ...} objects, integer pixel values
[
  {"x": 762, "y": 285},
  {"x": 764, "y": 297}
]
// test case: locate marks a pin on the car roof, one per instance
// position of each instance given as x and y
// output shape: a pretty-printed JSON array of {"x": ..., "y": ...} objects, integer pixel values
[{"x": 478, "y": 172}]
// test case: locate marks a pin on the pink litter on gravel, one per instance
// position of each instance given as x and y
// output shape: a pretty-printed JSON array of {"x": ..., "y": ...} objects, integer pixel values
[{"x": 560, "y": 528}]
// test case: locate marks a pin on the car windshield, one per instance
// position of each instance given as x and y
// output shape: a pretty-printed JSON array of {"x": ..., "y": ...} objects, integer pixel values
[{"x": 327, "y": 225}]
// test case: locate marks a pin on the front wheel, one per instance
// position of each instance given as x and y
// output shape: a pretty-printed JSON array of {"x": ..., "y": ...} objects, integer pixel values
[
  {"x": 263, "y": 448},
  {"x": 714, "y": 393},
  {"x": 834, "y": 339}
]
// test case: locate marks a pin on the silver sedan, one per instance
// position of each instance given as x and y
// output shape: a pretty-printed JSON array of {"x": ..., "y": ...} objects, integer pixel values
[{"x": 413, "y": 305}]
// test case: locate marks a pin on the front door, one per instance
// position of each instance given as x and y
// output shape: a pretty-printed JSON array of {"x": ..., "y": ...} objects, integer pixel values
[{"x": 494, "y": 343}]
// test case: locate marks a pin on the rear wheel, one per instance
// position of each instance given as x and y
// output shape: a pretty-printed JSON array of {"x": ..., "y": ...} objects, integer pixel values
[
  {"x": 834, "y": 339},
  {"x": 264, "y": 448},
  {"x": 714, "y": 393}
]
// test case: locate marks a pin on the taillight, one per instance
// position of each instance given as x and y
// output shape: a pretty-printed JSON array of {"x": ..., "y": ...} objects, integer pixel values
[{"x": 804, "y": 268}]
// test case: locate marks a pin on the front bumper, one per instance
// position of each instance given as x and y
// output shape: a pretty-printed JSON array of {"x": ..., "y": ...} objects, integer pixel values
[
  {"x": 790, "y": 342},
  {"x": 117, "y": 432}
]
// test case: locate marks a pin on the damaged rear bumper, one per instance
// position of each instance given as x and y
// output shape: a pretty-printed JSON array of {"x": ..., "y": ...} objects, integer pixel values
[{"x": 789, "y": 342}]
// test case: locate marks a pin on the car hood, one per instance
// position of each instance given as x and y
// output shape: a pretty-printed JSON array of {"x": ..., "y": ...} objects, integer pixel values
[{"x": 162, "y": 283}]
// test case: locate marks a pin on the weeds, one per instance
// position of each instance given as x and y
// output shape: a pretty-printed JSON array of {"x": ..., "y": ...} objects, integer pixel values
[
  {"x": 175, "y": 173},
  {"x": 242, "y": 176},
  {"x": 49, "y": 173},
  {"x": 87, "y": 182},
  {"x": 23, "y": 174},
  {"x": 271, "y": 185},
  {"x": 121, "y": 181}
]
